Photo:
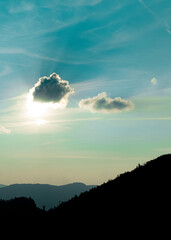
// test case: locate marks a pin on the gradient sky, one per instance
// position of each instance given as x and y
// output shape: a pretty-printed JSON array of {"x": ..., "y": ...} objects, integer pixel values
[{"x": 122, "y": 48}]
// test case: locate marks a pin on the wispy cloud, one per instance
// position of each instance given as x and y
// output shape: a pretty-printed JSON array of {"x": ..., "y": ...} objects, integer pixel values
[
  {"x": 21, "y": 51},
  {"x": 69, "y": 3},
  {"x": 117, "y": 39},
  {"x": 76, "y": 120},
  {"x": 95, "y": 85},
  {"x": 91, "y": 84},
  {"x": 146, "y": 7},
  {"x": 8, "y": 50},
  {"x": 46, "y": 58},
  {"x": 4, "y": 130},
  {"x": 142, "y": 119},
  {"x": 156, "y": 16},
  {"x": 6, "y": 70},
  {"x": 22, "y": 7}
]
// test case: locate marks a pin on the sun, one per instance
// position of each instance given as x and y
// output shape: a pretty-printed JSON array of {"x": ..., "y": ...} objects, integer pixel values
[
  {"x": 38, "y": 110},
  {"x": 40, "y": 122},
  {"x": 35, "y": 109}
]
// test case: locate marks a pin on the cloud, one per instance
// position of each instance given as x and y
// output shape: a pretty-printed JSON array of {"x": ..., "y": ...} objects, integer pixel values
[
  {"x": 4, "y": 130},
  {"x": 79, "y": 2},
  {"x": 154, "y": 81},
  {"x": 21, "y": 51},
  {"x": 5, "y": 71},
  {"x": 21, "y": 7},
  {"x": 102, "y": 103},
  {"x": 156, "y": 16},
  {"x": 51, "y": 90}
]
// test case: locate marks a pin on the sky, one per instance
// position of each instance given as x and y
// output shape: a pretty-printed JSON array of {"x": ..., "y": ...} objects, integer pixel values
[{"x": 85, "y": 88}]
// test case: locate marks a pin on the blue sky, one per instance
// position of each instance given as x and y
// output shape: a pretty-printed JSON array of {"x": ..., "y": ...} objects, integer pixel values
[{"x": 122, "y": 48}]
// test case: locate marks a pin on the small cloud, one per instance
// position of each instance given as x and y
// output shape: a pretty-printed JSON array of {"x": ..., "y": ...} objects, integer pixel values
[
  {"x": 168, "y": 31},
  {"x": 51, "y": 90},
  {"x": 154, "y": 81},
  {"x": 22, "y": 7},
  {"x": 104, "y": 104},
  {"x": 4, "y": 130}
]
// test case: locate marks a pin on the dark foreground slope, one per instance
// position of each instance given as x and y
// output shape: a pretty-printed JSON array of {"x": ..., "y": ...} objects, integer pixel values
[
  {"x": 20, "y": 207},
  {"x": 143, "y": 192}
]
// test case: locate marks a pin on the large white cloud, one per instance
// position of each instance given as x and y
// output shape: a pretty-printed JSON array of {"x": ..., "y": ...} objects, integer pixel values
[
  {"x": 102, "y": 103},
  {"x": 51, "y": 90}
]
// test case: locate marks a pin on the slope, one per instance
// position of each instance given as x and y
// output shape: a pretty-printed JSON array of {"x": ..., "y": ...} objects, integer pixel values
[{"x": 145, "y": 191}]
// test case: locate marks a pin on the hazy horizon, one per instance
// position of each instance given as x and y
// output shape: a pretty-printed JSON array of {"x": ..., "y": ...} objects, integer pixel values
[{"x": 85, "y": 88}]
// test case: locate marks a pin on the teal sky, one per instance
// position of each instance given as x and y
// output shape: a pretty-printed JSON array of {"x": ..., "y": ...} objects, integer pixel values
[{"x": 121, "y": 49}]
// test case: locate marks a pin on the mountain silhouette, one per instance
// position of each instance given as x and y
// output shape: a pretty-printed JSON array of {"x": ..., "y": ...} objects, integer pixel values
[
  {"x": 145, "y": 191},
  {"x": 20, "y": 207},
  {"x": 44, "y": 195},
  {"x": 142, "y": 194}
]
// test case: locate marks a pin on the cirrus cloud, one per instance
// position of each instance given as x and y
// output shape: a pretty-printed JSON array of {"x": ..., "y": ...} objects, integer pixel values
[
  {"x": 104, "y": 104},
  {"x": 4, "y": 130},
  {"x": 51, "y": 90}
]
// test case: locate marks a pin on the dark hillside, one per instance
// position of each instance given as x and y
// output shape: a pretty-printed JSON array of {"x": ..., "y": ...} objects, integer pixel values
[
  {"x": 145, "y": 191},
  {"x": 19, "y": 207}
]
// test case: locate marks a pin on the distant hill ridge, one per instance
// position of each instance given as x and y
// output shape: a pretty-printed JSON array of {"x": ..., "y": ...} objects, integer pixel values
[{"x": 44, "y": 194}]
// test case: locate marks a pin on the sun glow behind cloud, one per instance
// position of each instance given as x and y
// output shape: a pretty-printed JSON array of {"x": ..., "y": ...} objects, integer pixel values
[
  {"x": 40, "y": 122},
  {"x": 47, "y": 94},
  {"x": 39, "y": 110}
]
